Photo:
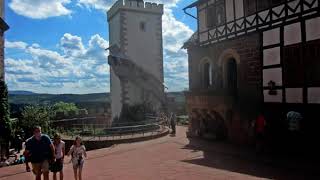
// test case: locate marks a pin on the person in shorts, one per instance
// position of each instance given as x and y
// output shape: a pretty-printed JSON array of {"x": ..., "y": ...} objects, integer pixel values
[
  {"x": 77, "y": 152},
  {"x": 40, "y": 150},
  {"x": 57, "y": 166},
  {"x": 173, "y": 121}
]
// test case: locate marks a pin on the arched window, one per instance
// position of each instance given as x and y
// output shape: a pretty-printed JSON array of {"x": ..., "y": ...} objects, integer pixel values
[
  {"x": 207, "y": 74},
  {"x": 232, "y": 78},
  {"x": 228, "y": 61}
]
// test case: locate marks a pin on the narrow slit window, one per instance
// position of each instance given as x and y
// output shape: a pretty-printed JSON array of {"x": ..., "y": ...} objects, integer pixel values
[{"x": 143, "y": 26}]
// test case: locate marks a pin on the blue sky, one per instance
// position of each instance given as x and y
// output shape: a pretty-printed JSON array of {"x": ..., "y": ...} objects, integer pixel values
[{"x": 56, "y": 46}]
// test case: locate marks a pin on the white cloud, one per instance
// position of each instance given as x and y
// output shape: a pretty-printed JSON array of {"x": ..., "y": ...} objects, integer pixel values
[
  {"x": 83, "y": 68},
  {"x": 175, "y": 33},
  {"x": 103, "y": 69},
  {"x": 35, "y": 45},
  {"x": 71, "y": 45},
  {"x": 97, "y": 4},
  {"x": 167, "y": 3},
  {"x": 67, "y": 72},
  {"x": 98, "y": 41},
  {"x": 15, "y": 44},
  {"x": 96, "y": 50},
  {"x": 106, "y": 4},
  {"x": 22, "y": 73},
  {"x": 40, "y": 9},
  {"x": 47, "y": 58},
  {"x": 19, "y": 67}
]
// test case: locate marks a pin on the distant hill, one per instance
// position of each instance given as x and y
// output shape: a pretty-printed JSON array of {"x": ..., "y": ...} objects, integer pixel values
[
  {"x": 27, "y": 97},
  {"x": 53, "y": 98},
  {"x": 21, "y": 93},
  {"x": 91, "y": 102}
]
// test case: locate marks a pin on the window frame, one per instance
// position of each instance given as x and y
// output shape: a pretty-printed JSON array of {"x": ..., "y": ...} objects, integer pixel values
[
  {"x": 142, "y": 26},
  {"x": 212, "y": 12}
]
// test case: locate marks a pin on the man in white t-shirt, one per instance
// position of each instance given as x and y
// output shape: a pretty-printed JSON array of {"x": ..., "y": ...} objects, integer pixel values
[{"x": 57, "y": 166}]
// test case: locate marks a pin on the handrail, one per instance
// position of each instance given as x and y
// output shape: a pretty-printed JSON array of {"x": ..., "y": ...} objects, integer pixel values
[
  {"x": 153, "y": 124},
  {"x": 119, "y": 127},
  {"x": 73, "y": 119},
  {"x": 114, "y": 132},
  {"x": 149, "y": 117}
]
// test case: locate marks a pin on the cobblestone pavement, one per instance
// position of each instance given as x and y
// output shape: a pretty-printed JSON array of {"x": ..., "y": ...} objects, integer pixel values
[{"x": 168, "y": 158}]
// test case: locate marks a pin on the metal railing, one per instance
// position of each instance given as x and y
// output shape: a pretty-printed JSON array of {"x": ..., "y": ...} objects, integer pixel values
[{"x": 153, "y": 126}]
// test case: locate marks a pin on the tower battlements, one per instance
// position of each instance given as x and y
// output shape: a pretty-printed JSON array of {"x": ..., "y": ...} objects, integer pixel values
[{"x": 135, "y": 6}]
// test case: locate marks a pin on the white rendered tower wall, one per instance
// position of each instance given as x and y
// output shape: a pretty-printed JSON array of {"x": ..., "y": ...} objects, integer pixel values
[{"x": 137, "y": 29}]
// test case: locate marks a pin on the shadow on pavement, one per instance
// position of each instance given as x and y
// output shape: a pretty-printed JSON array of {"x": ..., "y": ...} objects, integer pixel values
[{"x": 232, "y": 158}]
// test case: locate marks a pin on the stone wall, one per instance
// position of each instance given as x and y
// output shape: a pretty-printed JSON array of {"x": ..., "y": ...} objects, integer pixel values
[
  {"x": 1, "y": 8},
  {"x": 247, "y": 47},
  {"x": 246, "y": 50},
  {"x": 249, "y": 66},
  {"x": 1, "y": 56}
]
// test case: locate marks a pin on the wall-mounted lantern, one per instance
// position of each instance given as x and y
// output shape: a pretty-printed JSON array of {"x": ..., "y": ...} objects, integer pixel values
[{"x": 272, "y": 88}]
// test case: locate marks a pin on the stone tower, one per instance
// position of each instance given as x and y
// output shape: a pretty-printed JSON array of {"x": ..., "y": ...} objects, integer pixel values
[
  {"x": 136, "y": 57},
  {"x": 3, "y": 27}
]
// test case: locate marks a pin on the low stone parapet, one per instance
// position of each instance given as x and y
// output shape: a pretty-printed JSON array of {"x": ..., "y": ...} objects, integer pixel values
[{"x": 99, "y": 142}]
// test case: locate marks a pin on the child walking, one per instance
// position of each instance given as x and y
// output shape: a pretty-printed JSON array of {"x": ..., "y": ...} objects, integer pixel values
[
  {"x": 77, "y": 152},
  {"x": 57, "y": 166}
]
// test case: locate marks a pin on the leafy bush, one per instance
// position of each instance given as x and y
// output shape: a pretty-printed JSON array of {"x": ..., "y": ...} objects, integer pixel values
[
  {"x": 35, "y": 115},
  {"x": 5, "y": 124},
  {"x": 68, "y": 109}
]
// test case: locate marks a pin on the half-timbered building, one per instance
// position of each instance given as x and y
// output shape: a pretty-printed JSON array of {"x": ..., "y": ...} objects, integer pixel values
[{"x": 249, "y": 57}]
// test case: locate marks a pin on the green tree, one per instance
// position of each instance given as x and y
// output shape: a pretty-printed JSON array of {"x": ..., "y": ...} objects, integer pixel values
[
  {"x": 69, "y": 109},
  {"x": 35, "y": 115},
  {"x": 5, "y": 125}
]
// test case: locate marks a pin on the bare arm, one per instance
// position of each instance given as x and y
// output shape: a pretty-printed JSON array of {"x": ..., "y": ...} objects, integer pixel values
[
  {"x": 63, "y": 151},
  {"x": 70, "y": 151},
  {"x": 85, "y": 152},
  {"x": 52, "y": 150},
  {"x": 26, "y": 152}
]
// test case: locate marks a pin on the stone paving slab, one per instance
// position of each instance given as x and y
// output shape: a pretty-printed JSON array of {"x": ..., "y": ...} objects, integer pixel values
[{"x": 168, "y": 158}]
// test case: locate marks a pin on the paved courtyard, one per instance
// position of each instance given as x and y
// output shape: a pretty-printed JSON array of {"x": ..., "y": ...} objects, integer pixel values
[{"x": 169, "y": 158}]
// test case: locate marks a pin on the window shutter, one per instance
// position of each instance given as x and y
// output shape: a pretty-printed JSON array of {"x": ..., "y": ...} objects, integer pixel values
[
  {"x": 263, "y": 4},
  {"x": 250, "y": 7},
  {"x": 210, "y": 15},
  {"x": 312, "y": 61},
  {"x": 293, "y": 71},
  {"x": 277, "y": 2}
]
